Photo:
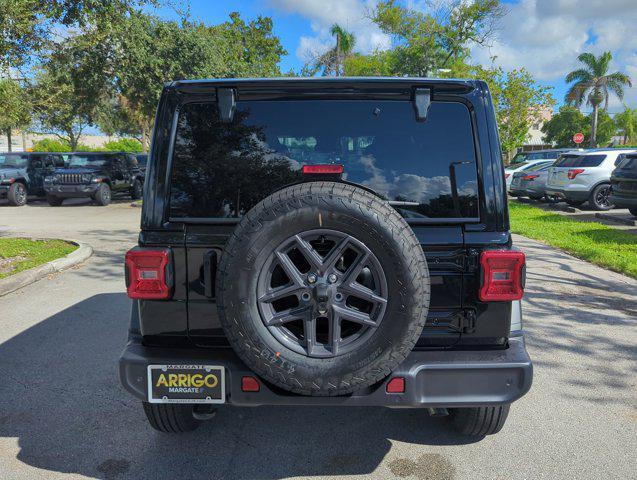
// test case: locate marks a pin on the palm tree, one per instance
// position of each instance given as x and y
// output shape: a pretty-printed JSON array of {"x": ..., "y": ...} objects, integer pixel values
[
  {"x": 332, "y": 62},
  {"x": 593, "y": 85}
]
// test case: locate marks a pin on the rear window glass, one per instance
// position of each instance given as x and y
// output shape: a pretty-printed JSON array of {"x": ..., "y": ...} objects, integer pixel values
[
  {"x": 538, "y": 166},
  {"x": 580, "y": 161},
  {"x": 424, "y": 169}
]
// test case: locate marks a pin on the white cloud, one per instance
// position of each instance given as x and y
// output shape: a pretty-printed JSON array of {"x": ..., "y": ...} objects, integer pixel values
[
  {"x": 353, "y": 15},
  {"x": 546, "y": 36}
]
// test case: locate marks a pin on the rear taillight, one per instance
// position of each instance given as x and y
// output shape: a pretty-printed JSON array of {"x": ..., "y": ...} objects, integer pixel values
[
  {"x": 503, "y": 274},
  {"x": 529, "y": 177},
  {"x": 325, "y": 169},
  {"x": 574, "y": 172},
  {"x": 507, "y": 175},
  {"x": 149, "y": 273}
]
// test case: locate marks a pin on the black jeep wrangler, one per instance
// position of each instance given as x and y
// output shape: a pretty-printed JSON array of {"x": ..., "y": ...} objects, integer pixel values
[
  {"x": 326, "y": 242},
  {"x": 98, "y": 175},
  {"x": 22, "y": 174}
]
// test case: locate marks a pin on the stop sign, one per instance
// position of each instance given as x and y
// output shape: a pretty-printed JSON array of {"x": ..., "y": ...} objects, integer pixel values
[{"x": 578, "y": 138}]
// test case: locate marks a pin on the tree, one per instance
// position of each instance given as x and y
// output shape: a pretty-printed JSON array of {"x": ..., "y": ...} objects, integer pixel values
[
  {"x": 519, "y": 101},
  {"x": 63, "y": 104},
  {"x": 333, "y": 61},
  {"x": 626, "y": 123},
  {"x": 568, "y": 121},
  {"x": 16, "y": 108},
  {"x": 423, "y": 43},
  {"x": 606, "y": 128},
  {"x": 135, "y": 57},
  {"x": 28, "y": 26},
  {"x": 593, "y": 86}
]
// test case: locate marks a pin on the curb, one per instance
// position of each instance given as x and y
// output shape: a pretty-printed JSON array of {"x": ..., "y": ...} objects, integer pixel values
[
  {"x": 613, "y": 218},
  {"x": 22, "y": 279}
]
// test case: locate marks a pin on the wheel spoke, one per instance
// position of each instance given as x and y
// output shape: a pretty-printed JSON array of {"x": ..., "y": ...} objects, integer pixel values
[
  {"x": 309, "y": 330},
  {"x": 359, "y": 291},
  {"x": 355, "y": 268},
  {"x": 337, "y": 252},
  {"x": 286, "y": 316},
  {"x": 335, "y": 332},
  {"x": 289, "y": 268},
  {"x": 280, "y": 292},
  {"x": 356, "y": 316},
  {"x": 309, "y": 253}
]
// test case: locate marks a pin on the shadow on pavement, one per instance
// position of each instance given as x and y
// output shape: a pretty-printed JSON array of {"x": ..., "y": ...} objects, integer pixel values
[{"x": 61, "y": 399}]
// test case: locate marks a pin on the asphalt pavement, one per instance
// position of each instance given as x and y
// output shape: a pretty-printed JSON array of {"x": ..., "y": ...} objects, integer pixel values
[{"x": 63, "y": 413}]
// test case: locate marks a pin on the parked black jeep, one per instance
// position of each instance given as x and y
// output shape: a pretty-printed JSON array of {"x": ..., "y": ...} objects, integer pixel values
[
  {"x": 326, "y": 242},
  {"x": 22, "y": 174},
  {"x": 98, "y": 175}
]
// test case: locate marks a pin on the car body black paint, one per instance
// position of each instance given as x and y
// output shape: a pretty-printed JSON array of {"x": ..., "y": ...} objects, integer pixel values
[
  {"x": 86, "y": 170},
  {"x": 457, "y": 319},
  {"x": 32, "y": 169}
]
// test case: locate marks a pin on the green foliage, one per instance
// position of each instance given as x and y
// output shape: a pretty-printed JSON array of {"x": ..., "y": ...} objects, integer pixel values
[
  {"x": 606, "y": 127},
  {"x": 123, "y": 145},
  {"x": 50, "y": 145},
  {"x": 559, "y": 130},
  {"x": 593, "y": 85},
  {"x": 333, "y": 61},
  {"x": 15, "y": 110},
  {"x": 29, "y": 25},
  {"x": 626, "y": 123},
  {"x": 518, "y": 101},
  {"x": 426, "y": 42},
  {"x": 23, "y": 253},
  {"x": 134, "y": 58},
  {"x": 594, "y": 242}
]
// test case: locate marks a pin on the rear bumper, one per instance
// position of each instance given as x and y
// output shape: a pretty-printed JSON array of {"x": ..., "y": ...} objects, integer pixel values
[
  {"x": 72, "y": 191},
  {"x": 623, "y": 200},
  {"x": 432, "y": 378},
  {"x": 568, "y": 194}
]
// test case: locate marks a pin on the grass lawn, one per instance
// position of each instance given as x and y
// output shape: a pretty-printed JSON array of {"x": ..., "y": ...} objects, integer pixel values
[
  {"x": 18, "y": 254},
  {"x": 594, "y": 242}
]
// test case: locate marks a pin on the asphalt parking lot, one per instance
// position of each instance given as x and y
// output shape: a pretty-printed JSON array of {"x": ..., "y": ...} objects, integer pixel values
[{"x": 64, "y": 415}]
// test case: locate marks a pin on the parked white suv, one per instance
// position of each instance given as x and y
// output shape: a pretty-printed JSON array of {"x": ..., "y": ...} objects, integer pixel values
[{"x": 580, "y": 177}]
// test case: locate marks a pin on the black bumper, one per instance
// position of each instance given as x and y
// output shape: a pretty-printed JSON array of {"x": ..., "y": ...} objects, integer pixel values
[
  {"x": 623, "y": 201},
  {"x": 72, "y": 191},
  {"x": 571, "y": 195},
  {"x": 432, "y": 378}
]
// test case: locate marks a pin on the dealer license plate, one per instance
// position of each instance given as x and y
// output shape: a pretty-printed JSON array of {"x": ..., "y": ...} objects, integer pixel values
[{"x": 186, "y": 384}]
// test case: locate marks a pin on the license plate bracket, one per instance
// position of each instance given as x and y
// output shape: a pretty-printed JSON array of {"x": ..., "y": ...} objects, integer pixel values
[{"x": 186, "y": 384}]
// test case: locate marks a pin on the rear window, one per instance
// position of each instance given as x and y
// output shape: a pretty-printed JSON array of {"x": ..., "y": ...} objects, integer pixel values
[
  {"x": 424, "y": 169},
  {"x": 580, "y": 161}
]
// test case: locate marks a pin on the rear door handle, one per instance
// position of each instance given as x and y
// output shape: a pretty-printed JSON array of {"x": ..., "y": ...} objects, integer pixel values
[{"x": 209, "y": 272}]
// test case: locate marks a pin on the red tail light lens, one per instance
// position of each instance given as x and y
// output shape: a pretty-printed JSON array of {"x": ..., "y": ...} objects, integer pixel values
[
  {"x": 507, "y": 175},
  {"x": 327, "y": 169},
  {"x": 529, "y": 177},
  {"x": 396, "y": 385},
  {"x": 148, "y": 273},
  {"x": 503, "y": 274},
  {"x": 574, "y": 172}
]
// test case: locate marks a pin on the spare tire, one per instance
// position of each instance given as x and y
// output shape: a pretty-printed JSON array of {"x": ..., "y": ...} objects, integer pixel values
[{"x": 323, "y": 289}]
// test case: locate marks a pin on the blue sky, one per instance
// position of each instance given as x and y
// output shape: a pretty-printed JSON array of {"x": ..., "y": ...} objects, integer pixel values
[{"x": 544, "y": 36}]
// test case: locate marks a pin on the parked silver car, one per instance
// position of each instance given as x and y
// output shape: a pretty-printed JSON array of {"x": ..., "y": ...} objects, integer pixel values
[
  {"x": 531, "y": 182},
  {"x": 581, "y": 177}
]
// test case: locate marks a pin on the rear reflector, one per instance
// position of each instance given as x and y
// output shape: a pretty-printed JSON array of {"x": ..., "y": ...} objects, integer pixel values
[
  {"x": 396, "y": 385},
  {"x": 322, "y": 169},
  {"x": 574, "y": 172},
  {"x": 148, "y": 274},
  {"x": 502, "y": 275},
  {"x": 249, "y": 384}
]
